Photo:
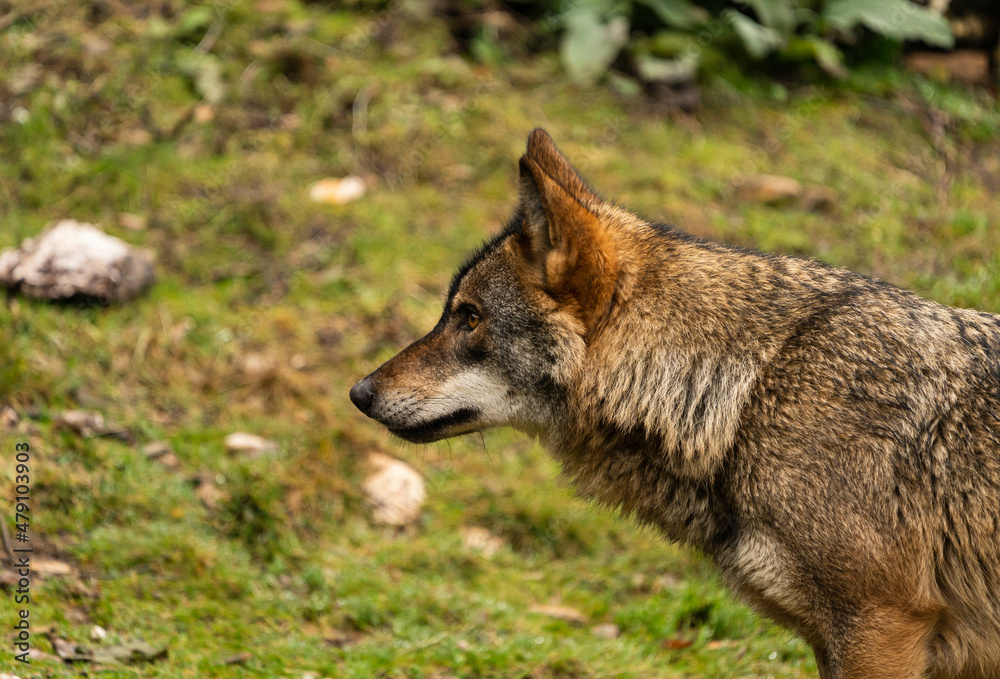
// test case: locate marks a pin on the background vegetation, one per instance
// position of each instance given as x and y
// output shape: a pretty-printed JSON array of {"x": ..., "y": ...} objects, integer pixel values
[{"x": 195, "y": 130}]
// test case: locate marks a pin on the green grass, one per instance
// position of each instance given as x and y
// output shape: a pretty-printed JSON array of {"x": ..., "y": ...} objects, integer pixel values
[{"x": 287, "y": 565}]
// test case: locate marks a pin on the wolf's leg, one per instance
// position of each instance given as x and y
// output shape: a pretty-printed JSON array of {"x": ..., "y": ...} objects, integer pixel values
[
  {"x": 822, "y": 662},
  {"x": 885, "y": 644}
]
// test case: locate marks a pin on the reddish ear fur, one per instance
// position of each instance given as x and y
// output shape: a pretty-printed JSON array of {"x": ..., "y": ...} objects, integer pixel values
[{"x": 562, "y": 234}]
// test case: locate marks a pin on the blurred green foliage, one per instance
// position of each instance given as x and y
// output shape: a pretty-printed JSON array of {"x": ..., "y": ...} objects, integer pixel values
[{"x": 669, "y": 41}]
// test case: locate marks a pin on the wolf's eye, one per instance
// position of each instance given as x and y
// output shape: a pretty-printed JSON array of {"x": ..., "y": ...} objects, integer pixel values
[{"x": 471, "y": 320}]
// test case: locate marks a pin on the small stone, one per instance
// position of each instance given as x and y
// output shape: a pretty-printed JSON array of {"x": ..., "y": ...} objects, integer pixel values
[
  {"x": 479, "y": 539},
  {"x": 178, "y": 331},
  {"x": 9, "y": 418},
  {"x": 83, "y": 422},
  {"x": 170, "y": 461},
  {"x": 238, "y": 659},
  {"x": 76, "y": 615},
  {"x": 250, "y": 445},
  {"x": 98, "y": 633},
  {"x": 818, "y": 198},
  {"x": 209, "y": 493},
  {"x": 329, "y": 337},
  {"x": 154, "y": 450},
  {"x": 72, "y": 258},
  {"x": 95, "y": 45},
  {"x": 65, "y": 649},
  {"x": 257, "y": 366},
  {"x": 768, "y": 189},
  {"x": 667, "y": 581},
  {"x": 394, "y": 489},
  {"x": 341, "y": 639},
  {"x": 606, "y": 630}
]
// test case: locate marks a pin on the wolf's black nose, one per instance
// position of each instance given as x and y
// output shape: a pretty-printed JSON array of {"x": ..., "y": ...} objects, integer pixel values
[{"x": 362, "y": 395}]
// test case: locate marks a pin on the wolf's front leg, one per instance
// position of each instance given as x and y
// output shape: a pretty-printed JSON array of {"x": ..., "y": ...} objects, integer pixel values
[{"x": 882, "y": 644}]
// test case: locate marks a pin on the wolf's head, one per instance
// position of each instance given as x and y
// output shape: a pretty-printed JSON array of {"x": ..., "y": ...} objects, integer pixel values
[{"x": 517, "y": 318}]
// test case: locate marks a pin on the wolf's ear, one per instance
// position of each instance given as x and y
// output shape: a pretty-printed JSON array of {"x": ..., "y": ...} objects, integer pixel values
[{"x": 562, "y": 237}]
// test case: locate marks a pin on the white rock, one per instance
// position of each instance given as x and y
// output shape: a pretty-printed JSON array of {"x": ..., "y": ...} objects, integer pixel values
[
  {"x": 71, "y": 258},
  {"x": 394, "y": 489},
  {"x": 250, "y": 445},
  {"x": 98, "y": 633}
]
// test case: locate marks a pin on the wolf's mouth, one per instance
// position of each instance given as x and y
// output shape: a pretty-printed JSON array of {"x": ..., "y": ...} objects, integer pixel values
[{"x": 436, "y": 429}]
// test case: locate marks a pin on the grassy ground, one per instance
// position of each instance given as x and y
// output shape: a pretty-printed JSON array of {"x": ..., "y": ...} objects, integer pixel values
[{"x": 205, "y": 126}]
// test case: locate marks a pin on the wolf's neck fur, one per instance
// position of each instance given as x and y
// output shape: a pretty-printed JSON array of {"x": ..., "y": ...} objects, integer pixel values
[{"x": 653, "y": 422}]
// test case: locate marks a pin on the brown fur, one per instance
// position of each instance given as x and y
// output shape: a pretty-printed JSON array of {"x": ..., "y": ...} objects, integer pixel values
[{"x": 831, "y": 442}]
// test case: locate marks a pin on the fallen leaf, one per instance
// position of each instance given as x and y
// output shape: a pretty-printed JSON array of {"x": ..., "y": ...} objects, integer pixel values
[
  {"x": 132, "y": 222},
  {"x": 676, "y": 644},
  {"x": 135, "y": 136},
  {"x": 130, "y": 651},
  {"x": 82, "y": 422},
  {"x": 564, "y": 613},
  {"x": 46, "y": 567},
  {"x": 41, "y": 656},
  {"x": 769, "y": 189},
  {"x": 818, "y": 198},
  {"x": 341, "y": 639},
  {"x": 156, "y": 449},
  {"x": 162, "y": 453},
  {"x": 238, "y": 659},
  {"x": 964, "y": 65},
  {"x": 337, "y": 191},
  {"x": 95, "y": 45},
  {"x": 719, "y": 644},
  {"x": 76, "y": 615},
  {"x": 209, "y": 493},
  {"x": 606, "y": 630},
  {"x": 68, "y": 650},
  {"x": 250, "y": 445},
  {"x": 203, "y": 113},
  {"x": 9, "y": 418}
]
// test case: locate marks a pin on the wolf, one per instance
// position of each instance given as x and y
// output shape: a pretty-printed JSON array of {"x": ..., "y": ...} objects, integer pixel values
[{"x": 830, "y": 442}]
